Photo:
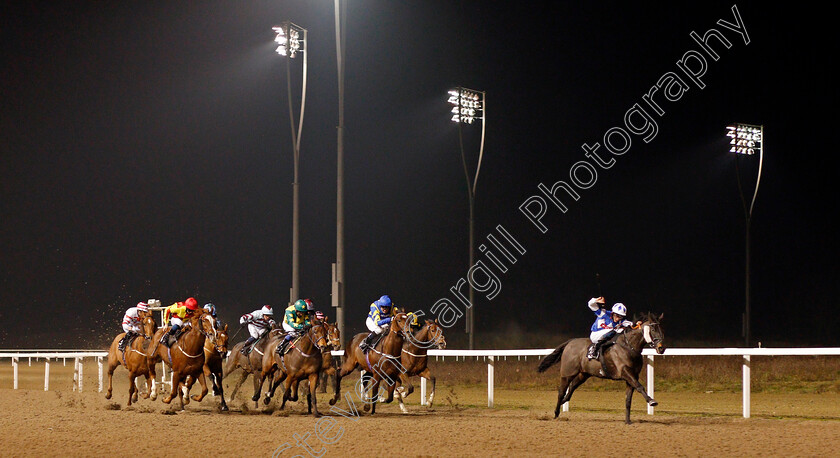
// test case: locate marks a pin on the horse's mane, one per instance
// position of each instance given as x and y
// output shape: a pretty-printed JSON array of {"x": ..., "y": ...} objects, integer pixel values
[{"x": 646, "y": 316}]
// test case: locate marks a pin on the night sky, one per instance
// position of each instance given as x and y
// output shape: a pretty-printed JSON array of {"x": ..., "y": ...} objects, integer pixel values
[{"x": 146, "y": 152}]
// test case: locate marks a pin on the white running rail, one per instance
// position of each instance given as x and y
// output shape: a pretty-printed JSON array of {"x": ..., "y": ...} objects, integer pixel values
[{"x": 491, "y": 356}]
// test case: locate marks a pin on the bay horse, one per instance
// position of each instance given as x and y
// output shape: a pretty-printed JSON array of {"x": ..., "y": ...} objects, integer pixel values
[
  {"x": 302, "y": 361},
  {"x": 328, "y": 363},
  {"x": 381, "y": 361},
  {"x": 415, "y": 359},
  {"x": 185, "y": 357},
  {"x": 215, "y": 351},
  {"x": 621, "y": 360},
  {"x": 251, "y": 364},
  {"x": 133, "y": 358}
]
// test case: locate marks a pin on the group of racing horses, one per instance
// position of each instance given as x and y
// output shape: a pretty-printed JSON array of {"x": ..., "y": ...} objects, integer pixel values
[{"x": 201, "y": 351}]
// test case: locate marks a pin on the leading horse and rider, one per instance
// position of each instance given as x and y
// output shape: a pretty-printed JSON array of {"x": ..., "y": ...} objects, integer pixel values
[{"x": 612, "y": 351}]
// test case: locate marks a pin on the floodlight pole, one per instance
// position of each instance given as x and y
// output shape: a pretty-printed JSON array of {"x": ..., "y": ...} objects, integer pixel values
[
  {"x": 338, "y": 271},
  {"x": 748, "y": 222},
  {"x": 471, "y": 187},
  {"x": 294, "y": 292}
]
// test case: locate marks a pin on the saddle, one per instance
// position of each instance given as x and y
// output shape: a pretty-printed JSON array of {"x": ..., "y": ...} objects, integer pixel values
[
  {"x": 170, "y": 339},
  {"x": 284, "y": 347},
  {"x": 246, "y": 349},
  {"x": 126, "y": 340}
]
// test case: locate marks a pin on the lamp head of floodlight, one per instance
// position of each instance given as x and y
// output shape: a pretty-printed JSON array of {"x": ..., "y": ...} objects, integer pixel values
[
  {"x": 289, "y": 38},
  {"x": 467, "y": 105},
  {"x": 744, "y": 138}
]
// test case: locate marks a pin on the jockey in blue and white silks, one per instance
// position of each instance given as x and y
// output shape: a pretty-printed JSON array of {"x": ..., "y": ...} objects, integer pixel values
[
  {"x": 380, "y": 315},
  {"x": 607, "y": 324}
]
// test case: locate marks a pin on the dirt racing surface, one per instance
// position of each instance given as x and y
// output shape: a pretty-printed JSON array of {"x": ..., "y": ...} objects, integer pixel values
[{"x": 67, "y": 423}]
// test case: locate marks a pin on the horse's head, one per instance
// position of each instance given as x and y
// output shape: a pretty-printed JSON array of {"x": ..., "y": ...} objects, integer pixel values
[
  {"x": 333, "y": 334},
  {"x": 400, "y": 323},
  {"x": 149, "y": 325},
  {"x": 434, "y": 333},
  {"x": 220, "y": 340},
  {"x": 318, "y": 335},
  {"x": 653, "y": 333}
]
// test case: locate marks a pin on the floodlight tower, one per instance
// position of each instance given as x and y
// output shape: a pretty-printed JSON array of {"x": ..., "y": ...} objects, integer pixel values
[
  {"x": 746, "y": 140},
  {"x": 291, "y": 40},
  {"x": 468, "y": 107}
]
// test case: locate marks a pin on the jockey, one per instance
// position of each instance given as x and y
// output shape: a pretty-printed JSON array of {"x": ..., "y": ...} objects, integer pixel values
[
  {"x": 211, "y": 310},
  {"x": 132, "y": 323},
  {"x": 607, "y": 324},
  {"x": 295, "y": 319},
  {"x": 378, "y": 318},
  {"x": 259, "y": 322},
  {"x": 175, "y": 315}
]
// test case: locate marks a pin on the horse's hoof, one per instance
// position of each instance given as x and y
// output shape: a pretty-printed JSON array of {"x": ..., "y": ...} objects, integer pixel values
[
  {"x": 653, "y": 403},
  {"x": 224, "y": 408},
  {"x": 196, "y": 398},
  {"x": 166, "y": 401},
  {"x": 255, "y": 398},
  {"x": 367, "y": 408},
  {"x": 332, "y": 402},
  {"x": 267, "y": 400},
  {"x": 108, "y": 395}
]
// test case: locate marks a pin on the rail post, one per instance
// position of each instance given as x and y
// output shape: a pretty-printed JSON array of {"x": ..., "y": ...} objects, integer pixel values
[
  {"x": 423, "y": 391},
  {"x": 15, "y": 372},
  {"x": 99, "y": 363},
  {"x": 650, "y": 382},
  {"x": 490, "y": 382},
  {"x": 75, "y": 373},
  {"x": 746, "y": 386},
  {"x": 46, "y": 374}
]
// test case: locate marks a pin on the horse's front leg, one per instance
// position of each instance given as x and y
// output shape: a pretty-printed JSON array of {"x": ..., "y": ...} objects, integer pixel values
[
  {"x": 375, "y": 394},
  {"x": 427, "y": 374},
  {"x": 633, "y": 380},
  {"x": 312, "y": 398},
  {"x": 112, "y": 365},
  {"x": 202, "y": 380},
  {"x": 280, "y": 378},
  {"x": 627, "y": 403},
  {"x": 132, "y": 387},
  {"x": 148, "y": 386}
]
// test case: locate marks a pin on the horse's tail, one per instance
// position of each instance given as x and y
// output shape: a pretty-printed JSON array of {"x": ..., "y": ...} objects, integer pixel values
[{"x": 552, "y": 358}]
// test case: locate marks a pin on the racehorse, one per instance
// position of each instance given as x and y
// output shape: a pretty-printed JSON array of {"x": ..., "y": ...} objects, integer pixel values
[
  {"x": 328, "y": 363},
  {"x": 415, "y": 359},
  {"x": 215, "y": 351},
  {"x": 302, "y": 361},
  {"x": 382, "y": 361},
  {"x": 133, "y": 358},
  {"x": 621, "y": 360},
  {"x": 186, "y": 358},
  {"x": 251, "y": 364}
]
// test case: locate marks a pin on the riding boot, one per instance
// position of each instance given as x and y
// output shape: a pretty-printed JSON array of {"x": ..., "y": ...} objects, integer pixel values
[
  {"x": 366, "y": 344},
  {"x": 170, "y": 337},
  {"x": 247, "y": 347},
  {"x": 284, "y": 345},
  {"x": 595, "y": 350},
  {"x": 124, "y": 341}
]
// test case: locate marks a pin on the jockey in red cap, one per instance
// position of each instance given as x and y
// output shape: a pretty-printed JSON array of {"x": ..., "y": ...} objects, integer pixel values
[{"x": 175, "y": 315}]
